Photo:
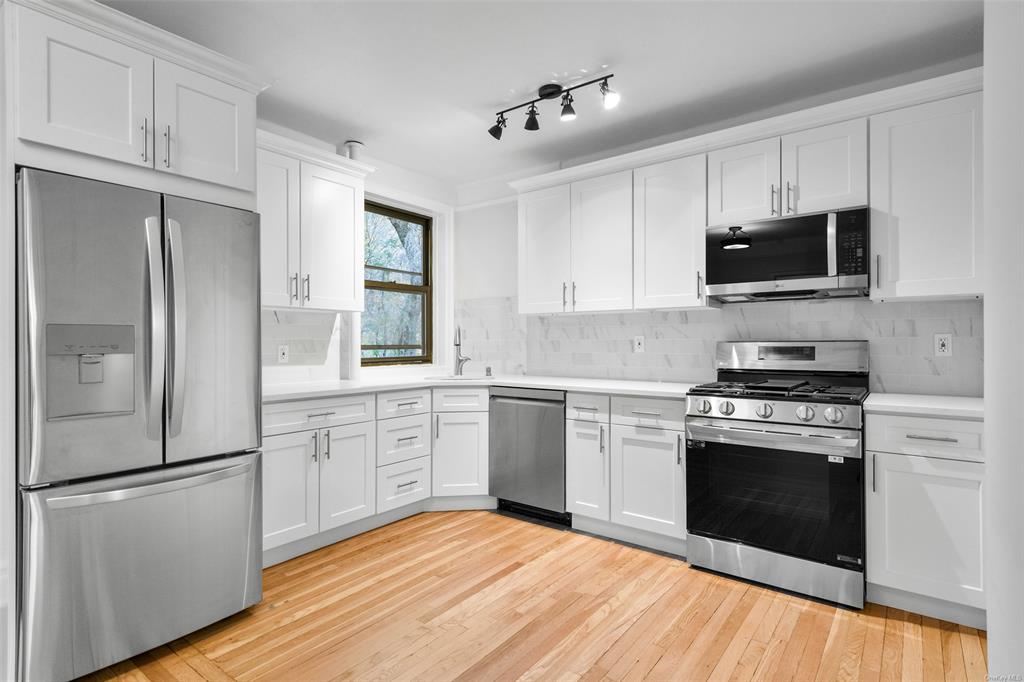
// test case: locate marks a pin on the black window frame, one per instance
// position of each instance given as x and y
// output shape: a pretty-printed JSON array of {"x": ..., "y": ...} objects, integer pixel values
[{"x": 426, "y": 290}]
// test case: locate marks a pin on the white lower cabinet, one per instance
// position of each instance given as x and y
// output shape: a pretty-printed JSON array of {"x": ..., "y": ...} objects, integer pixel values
[
  {"x": 291, "y": 476},
  {"x": 460, "y": 453},
  {"x": 348, "y": 459},
  {"x": 924, "y": 526},
  {"x": 647, "y": 483},
  {"x": 402, "y": 483},
  {"x": 587, "y": 469}
]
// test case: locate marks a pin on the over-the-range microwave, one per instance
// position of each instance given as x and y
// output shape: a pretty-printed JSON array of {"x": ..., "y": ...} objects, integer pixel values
[{"x": 816, "y": 256}]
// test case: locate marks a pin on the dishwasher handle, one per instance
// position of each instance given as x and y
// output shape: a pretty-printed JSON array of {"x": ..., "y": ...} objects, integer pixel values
[{"x": 524, "y": 401}]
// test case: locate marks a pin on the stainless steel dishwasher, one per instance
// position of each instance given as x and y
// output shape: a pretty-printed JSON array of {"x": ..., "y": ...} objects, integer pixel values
[{"x": 527, "y": 451}]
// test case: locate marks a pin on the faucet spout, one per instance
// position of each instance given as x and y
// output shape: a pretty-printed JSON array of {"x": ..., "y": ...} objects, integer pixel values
[{"x": 460, "y": 359}]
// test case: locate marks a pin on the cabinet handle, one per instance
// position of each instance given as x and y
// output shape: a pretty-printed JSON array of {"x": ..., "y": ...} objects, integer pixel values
[
  {"x": 405, "y": 438},
  {"x": 437, "y": 427},
  {"x": 312, "y": 415},
  {"x": 700, "y": 289},
  {"x": 412, "y": 403},
  {"x": 789, "y": 191},
  {"x": 167, "y": 146},
  {"x": 604, "y": 455},
  {"x": 601, "y": 441},
  {"x": 873, "y": 474},
  {"x": 646, "y": 413},
  {"x": 937, "y": 439},
  {"x": 406, "y": 484},
  {"x": 679, "y": 448},
  {"x": 774, "y": 212},
  {"x": 574, "y": 295},
  {"x": 305, "y": 281},
  {"x": 293, "y": 287},
  {"x": 316, "y": 448},
  {"x": 564, "y": 299},
  {"x": 588, "y": 408},
  {"x": 327, "y": 444},
  {"x": 145, "y": 139},
  {"x": 878, "y": 271}
]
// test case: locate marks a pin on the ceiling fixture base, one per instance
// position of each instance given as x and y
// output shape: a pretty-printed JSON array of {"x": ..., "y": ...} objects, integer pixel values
[{"x": 549, "y": 91}]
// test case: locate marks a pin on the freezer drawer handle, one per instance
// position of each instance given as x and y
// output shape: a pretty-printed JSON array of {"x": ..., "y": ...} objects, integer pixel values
[{"x": 120, "y": 495}]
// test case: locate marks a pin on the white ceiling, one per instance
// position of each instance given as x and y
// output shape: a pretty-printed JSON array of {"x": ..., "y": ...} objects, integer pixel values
[{"x": 419, "y": 82}]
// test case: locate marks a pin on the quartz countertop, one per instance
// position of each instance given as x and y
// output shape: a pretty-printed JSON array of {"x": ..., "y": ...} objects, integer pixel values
[
  {"x": 911, "y": 405},
  {"x": 277, "y": 393}
]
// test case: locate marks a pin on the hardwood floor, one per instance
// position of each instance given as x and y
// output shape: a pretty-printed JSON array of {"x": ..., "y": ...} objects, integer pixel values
[{"x": 479, "y": 596}]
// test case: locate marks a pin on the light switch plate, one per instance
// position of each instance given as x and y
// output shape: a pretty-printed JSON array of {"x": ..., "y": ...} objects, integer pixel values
[
  {"x": 282, "y": 354},
  {"x": 944, "y": 344},
  {"x": 638, "y": 344}
]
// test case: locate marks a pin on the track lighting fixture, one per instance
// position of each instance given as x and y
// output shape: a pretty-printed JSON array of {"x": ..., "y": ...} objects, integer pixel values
[
  {"x": 568, "y": 113},
  {"x": 609, "y": 97},
  {"x": 736, "y": 239},
  {"x": 496, "y": 129}
]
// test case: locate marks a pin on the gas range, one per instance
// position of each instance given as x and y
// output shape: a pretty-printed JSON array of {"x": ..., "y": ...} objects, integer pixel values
[{"x": 793, "y": 401}]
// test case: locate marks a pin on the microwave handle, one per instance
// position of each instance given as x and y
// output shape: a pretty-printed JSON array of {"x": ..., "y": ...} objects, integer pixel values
[{"x": 831, "y": 245}]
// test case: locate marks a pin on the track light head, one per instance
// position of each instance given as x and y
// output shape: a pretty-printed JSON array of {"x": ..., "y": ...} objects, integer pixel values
[
  {"x": 531, "y": 118},
  {"x": 568, "y": 113},
  {"x": 496, "y": 129},
  {"x": 610, "y": 97}
]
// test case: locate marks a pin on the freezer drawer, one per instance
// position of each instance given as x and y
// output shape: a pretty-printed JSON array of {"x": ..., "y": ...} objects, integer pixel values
[{"x": 115, "y": 567}]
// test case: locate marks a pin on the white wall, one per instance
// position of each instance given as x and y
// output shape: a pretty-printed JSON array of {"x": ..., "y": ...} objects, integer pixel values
[
  {"x": 1004, "y": 329},
  {"x": 485, "y": 251}
]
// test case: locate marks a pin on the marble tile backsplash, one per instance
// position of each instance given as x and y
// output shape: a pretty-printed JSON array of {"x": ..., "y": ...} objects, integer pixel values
[
  {"x": 680, "y": 345},
  {"x": 315, "y": 345}
]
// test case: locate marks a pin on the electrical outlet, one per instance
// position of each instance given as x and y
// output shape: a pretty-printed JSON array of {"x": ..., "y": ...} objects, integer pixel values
[
  {"x": 944, "y": 344},
  {"x": 638, "y": 344},
  {"x": 282, "y": 354}
]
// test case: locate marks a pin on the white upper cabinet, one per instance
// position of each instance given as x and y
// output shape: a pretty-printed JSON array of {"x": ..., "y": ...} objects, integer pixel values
[
  {"x": 205, "y": 129},
  {"x": 669, "y": 215},
  {"x": 80, "y": 91},
  {"x": 926, "y": 200},
  {"x": 544, "y": 252},
  {"x": 647, "y": 482},
  {"x": 825, "y": 168},
  {"x": 290, "y": 487},
  {"x": 460, "y": 458},
  {"x": 601, "y": 217},
  {"x": 332, "y": 239},
  {"x": 277, "y": 200},
  {"x": 348, "y": 474},
  {"x": 587, "y": 468},
  {"x": 743, "y": 182}
]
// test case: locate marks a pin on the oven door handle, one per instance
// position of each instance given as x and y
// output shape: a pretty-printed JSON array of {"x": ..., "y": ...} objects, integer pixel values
[{"x": 817, "y": 444}]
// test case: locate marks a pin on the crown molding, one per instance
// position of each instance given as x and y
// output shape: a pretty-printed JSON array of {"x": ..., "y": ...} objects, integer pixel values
[
  {"x": 942, "y": 87},
  {"x": 110, "y": 23},
  {"x": 272, "y": 142}
]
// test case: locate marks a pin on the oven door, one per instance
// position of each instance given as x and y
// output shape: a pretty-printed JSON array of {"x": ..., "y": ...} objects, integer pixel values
[{"x": 783, "y": 488}]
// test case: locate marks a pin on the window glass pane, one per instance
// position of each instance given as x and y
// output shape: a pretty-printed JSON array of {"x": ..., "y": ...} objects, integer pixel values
[
  {"x": 393, "y": 324},
  {"x": 394, "y": 249}
]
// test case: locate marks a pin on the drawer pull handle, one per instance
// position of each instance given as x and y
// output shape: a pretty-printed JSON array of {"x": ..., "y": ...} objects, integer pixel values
[
  {"x": 321, "y": 414},
  {"x": 588, "y": 408},
  {"x": 646, "y": 413},
  {"x": 937, "y": 439},
  {"x": 413, "y": 403},
  {"x": 406, "y": 484},
  {"x": 405, "y": 438}
]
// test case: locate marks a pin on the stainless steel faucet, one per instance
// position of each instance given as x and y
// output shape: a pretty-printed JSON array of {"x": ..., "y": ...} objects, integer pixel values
[{"x": 460, "y": 359}]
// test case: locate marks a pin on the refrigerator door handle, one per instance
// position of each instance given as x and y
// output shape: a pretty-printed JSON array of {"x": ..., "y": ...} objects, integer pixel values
[
  {"x": 177, "y": 351},
  {"x": 157, "y": 331}
]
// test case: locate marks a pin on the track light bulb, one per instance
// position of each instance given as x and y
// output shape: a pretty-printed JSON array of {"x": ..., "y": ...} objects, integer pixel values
[
  {"x": 610, "y": 97},
  {"x": 568, "y": 113},
  {"x": 531, "y": 118},
  {"x": 495, "y": 130}
]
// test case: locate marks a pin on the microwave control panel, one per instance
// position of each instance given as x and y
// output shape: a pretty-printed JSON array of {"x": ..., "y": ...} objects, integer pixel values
[{"x": 852, "y": 238}]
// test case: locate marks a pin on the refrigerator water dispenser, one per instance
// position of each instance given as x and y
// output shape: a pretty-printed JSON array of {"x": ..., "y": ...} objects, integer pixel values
[{"x": 90, "y": 370}]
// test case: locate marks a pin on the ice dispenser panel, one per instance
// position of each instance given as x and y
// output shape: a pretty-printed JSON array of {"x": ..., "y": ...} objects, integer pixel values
[{"x": 90, "y": 370}]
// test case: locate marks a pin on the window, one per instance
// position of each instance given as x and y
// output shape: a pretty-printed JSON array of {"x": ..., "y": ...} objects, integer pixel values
[{"x": 396, "y": 315}]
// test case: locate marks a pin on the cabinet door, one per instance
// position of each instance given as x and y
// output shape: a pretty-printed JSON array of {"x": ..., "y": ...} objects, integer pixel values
[
  {"x": 924, "y": 532},
  {"x": 348, "y": 474},
  {"x": 669, "y": 215},
  {"x": 926, "y": 202},
  {"x": 277, "y": 200},
  {"x": 205, "y": 129},
  {"x": 825, "y": 168},
  {"x": 743, "y": 182},
  {"x": 290, "y": 487},
  {"x": 647, "y": 490},
  {"x": 601, "y": 239},
  {"x": 460, "y": 453},
  {"x": 544, "y": 250},
  {"x": 80, "y": 91},
  {"x": 586, "y": 469},
  {"x": 332, "y": 239}
]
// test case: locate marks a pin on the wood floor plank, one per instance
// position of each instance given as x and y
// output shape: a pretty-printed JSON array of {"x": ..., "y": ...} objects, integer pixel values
[{"x": 482, "y": 596}]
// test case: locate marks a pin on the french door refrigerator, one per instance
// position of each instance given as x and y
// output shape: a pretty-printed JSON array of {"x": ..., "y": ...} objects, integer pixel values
[{"x": 138, "y": 420}]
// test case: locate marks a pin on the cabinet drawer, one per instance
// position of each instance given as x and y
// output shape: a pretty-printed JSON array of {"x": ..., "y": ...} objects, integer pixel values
[
  {"x": 403, "y": 438},
  {"x": 403, "y": 403},
  {"x": 460, "y": 399},
  {"x": 317, "y": 414},
  {"x": 946, "y": 438},
  {"x": 587, "y": 407},
  {"x": 402, "y": 483},
  {"x": 660, "y": 412}
]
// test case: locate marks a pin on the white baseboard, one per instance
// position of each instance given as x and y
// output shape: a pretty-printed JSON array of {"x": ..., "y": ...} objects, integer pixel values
[
  {"x": 641, "y": 538},
  {"x": 926, "y": 606},
  {"x": 460, "y": 503}
]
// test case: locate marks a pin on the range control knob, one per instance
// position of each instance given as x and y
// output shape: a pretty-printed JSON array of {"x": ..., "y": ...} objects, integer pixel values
[
  {"x": 833, "y": 415},
  {"x": 764, "y": 410},
  {"x": 703, "y": 406},
  {"x": 726, "y": 407},
  {"x": 805, "y": 413}
]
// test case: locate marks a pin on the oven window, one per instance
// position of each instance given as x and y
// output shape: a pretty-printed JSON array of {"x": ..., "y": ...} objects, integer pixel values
[
  {"x": 794, "y": 503},
  {"x": 780, "y": 249}
]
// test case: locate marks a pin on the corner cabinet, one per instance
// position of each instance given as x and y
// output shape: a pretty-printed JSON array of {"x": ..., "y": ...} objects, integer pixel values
[
  {"x": 926, "y": 201},
  {"x": 461, "y": 436},
  {"x": 311, "y": 209},
  {"x": 348, "y": 474}
]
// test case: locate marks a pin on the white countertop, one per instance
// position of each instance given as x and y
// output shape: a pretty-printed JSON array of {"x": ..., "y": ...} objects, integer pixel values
[
  {"x": 304, "y": 391},
  {"x": 952, "y": 407}
]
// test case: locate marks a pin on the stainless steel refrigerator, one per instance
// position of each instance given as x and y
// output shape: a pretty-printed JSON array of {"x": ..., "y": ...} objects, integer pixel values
[{"x": 138, "y": 420}]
